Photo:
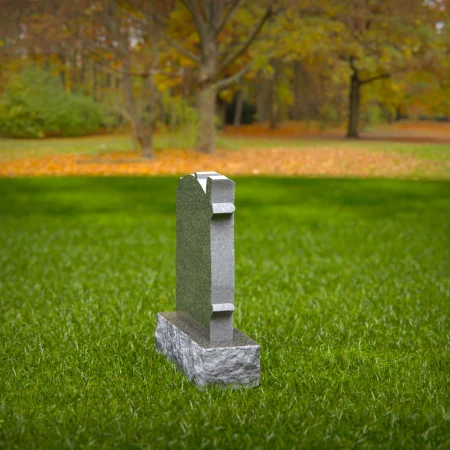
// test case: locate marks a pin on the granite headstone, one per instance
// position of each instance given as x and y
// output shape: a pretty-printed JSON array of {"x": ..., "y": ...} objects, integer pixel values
[{"x": 199, "y": 337}]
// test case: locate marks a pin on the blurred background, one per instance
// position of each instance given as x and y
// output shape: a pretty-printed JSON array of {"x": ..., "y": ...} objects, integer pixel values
[{"x": 140, "y": 75}]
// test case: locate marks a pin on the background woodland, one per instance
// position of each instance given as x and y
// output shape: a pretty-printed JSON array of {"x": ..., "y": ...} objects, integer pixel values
[{"x": 84, "y": 66}]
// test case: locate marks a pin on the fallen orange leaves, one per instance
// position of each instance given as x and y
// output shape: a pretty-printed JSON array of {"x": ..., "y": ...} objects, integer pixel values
[{"x": 275, "y": 161}]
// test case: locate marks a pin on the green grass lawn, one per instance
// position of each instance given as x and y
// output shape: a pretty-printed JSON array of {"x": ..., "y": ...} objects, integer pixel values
[
  {"x": 344, "y": 283},
  {"x": 19, "y": 148}
]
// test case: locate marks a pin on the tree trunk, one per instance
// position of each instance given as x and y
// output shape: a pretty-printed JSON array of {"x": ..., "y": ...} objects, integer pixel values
[
  {"x": 298, "y": 85},
  {"x": 263, "y": 100},
  {"x": 82, "y": 70},
  {"x": 222, "y": 113},
  {"x": 207, "y": 97},
  {"x": 94, "y": 81},
  {"x": 262, "y": 95},
  {"x": 121, "y": 35},
  {"x": 147, "y": 150},
  {"x": 239, "y": 106},
  {"x": 272, "y": 106},
  {"x": 206, "y": 139},
  {"x": 141, "y": 134},
  {"x": 68, "y": 72},
  {"x": 62, "y": 77},
  {"x": 144, "y": 136},
  {"x": 354, "y": 106},
  {"x": 62, "y": 70}
]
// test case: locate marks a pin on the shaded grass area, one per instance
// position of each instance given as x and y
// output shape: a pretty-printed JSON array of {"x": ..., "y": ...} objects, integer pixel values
[
  {"x": 345, "y": 284},
  {"x": 96, "y": 145}
]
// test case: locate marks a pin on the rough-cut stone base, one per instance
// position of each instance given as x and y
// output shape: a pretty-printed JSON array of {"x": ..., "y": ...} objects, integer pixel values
[{"x": 183, "y": 342}]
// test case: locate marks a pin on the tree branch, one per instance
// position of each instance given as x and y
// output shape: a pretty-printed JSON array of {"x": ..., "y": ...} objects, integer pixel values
[
  {"x": 365, "y": 45},
  {"x": 252, "y": 36},
  {"x": 206, "y": 11},
  {"x": 227, "y": 82},
  {"x": 113, "y": 71},
  {"x": 369, "y": 80},
  {"x": 193, "y": 8},
  {"x": 226, "y": 18},
  {"x": 160, "y": 24},
  {"x": 180, "y": 48},
  {"x": 145, "y": 74},
  {"x": 351, "y": 61}
]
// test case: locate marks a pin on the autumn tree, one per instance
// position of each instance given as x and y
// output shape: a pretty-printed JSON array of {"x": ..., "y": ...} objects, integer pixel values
[
  {"x": 217, "y": 46},
  {"x": 377, "y": 40},
  {"x": 298, "y": 64},
  {"x": 104, "y": 35},
  {"x": 121, "y": 31}
]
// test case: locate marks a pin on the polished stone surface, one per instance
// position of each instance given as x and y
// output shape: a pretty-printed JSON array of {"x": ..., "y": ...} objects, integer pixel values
[
  {"x": 205, "y": 252},
  {"x": 186, "y": 343}
]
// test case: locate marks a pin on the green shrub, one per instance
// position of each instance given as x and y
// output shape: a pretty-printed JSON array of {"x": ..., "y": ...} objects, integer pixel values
[{"x": 34, "y": 105}]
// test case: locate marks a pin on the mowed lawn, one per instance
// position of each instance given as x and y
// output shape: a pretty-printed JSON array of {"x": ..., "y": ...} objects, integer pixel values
[
  {"x": 344, "y": 283},
  {"x": 11, "y": 149}
]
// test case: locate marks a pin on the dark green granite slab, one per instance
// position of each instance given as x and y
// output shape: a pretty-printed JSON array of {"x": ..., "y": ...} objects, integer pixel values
[
  {"x": 205, "y": 252},
  {"x": 194, "y": 212}
]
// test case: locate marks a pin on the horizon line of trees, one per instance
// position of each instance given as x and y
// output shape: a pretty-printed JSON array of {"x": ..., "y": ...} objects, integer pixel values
[{"x": 206, "y": 62}]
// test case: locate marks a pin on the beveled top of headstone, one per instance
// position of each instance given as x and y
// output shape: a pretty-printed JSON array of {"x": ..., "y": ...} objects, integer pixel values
[{"x": 205, "y": 251}]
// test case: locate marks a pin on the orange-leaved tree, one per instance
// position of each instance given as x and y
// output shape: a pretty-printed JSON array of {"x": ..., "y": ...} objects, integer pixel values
[
  {"x": 378, "y": 40},
  {"x": 216, "y": 36}
]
